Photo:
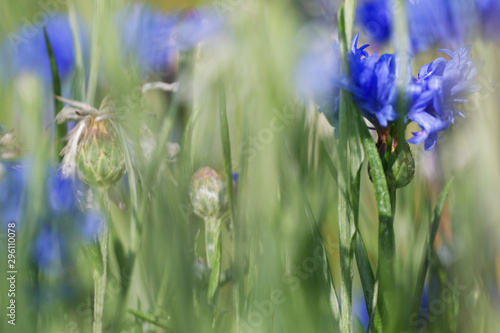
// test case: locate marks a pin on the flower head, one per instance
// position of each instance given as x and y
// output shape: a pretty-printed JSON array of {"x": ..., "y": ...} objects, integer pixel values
[
  {"x": 91, "y": 144},
  {"x": 446, "y": 85},
  {"x": 373, "y": 84}
]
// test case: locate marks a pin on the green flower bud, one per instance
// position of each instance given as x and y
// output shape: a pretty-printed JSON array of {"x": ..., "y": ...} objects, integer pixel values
[
  {"x": 208, "y": 193},
  {"x": 400, "y": 167},
  {"x": 99, "y": 159}
]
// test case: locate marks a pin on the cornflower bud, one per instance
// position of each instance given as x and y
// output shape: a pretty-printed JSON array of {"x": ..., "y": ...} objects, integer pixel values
[{"x": 99, "y": 159}]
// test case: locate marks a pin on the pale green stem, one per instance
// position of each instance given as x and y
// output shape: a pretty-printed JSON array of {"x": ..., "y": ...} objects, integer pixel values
[
  {"x": 212, "y": 244},
  {"x": 100, "y": 282}
]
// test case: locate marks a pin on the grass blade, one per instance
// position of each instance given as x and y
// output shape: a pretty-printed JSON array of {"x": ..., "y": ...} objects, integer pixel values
[
  {"x": 60, "y": 129},
  {"x": 427, "y": 252}
]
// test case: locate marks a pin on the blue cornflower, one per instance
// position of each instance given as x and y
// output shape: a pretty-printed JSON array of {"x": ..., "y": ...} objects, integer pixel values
[
  {"x": 318, "y": 77},
  {"x": 154, "y": 39},
  {"x": 489, "y": 13},
  {"x": 49, "y": 251},
  {"x": 12, "y": 182},
  {"x": 61, "y": 193},
  {"x": 446, "y": 23},
  {"x": 27, "y": 52},
  {"x": 148, "y": 37},
  {"x": 373, "y": 84},
  {"x": 196, "y": 26},
  {"x": 376, "y": 19},
  {"x": 91, "y": 225},
  {"x": 447, "y": 84}
]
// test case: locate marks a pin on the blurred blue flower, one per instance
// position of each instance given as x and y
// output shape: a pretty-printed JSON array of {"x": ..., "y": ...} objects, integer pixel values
[
  {"x": 26, "y": 51},
  {"x": 49, "y": 251},
  {"x": 12, "y": 182},
  {"x": 91, "y": 225},
  {"x": 318, "y": 77},
  {"x": 153, "y": 39},
  {"x": 445, "y": 23},
  {"x": 489, "y": 14},
  {"x": 360, "y": 312},
  {"x": 447, "y": 84},
  {"x": 372, "y": 83},
  {"x": 61, "y": 193},
  {"x": 376, "y": 19},
  {"x": 148, "y": 37},
  {"x": 196, "y": 26}
]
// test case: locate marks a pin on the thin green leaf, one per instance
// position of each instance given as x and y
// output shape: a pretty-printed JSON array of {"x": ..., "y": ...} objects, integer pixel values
[
  {"x": 344, "y": 214},
  {"x": 427, "y": 252},
  {"x": 365, "y": 270},
  {"x": 95, "y": 49},
  {"x": 79, "y": 78},
  {"x": 349, "y": 11},
  {"x": 329, "y": 163},
  {"x": 60, "y": 130},
  {"x": 333, "y": 300},
  {"x": 155, "y": 320}
]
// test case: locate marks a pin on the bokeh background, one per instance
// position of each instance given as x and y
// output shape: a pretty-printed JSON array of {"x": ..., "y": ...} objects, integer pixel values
[{"x": 280, "y": 146}]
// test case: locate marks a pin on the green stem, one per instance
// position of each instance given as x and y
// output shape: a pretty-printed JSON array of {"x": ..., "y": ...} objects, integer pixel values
[
  {"x": 226, "y": 149},
  {"x": 100, "y": 282},
  {"x": 212, "y": 245},
  {"x": 386, "y": 262}
]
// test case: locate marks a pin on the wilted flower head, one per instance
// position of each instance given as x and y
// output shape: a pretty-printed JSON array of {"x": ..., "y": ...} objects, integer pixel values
[
  {"x": 445, "y": 85},
  {"x": 372, "y": 83},
  {"x": 91, "y": 144},
  {"x": 208, "y": 193}
]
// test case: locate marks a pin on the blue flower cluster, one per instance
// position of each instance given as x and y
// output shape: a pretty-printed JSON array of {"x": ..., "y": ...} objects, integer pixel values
[
  {"x": 445, "y": 23},
  {"x": 433, "y": 97},
  {"x": 442, "y": 86},
  {"x": 61, "y": 222}
]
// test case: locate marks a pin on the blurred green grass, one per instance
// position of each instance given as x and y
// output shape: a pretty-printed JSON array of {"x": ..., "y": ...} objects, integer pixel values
[{"x": 259, "y": 72}]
